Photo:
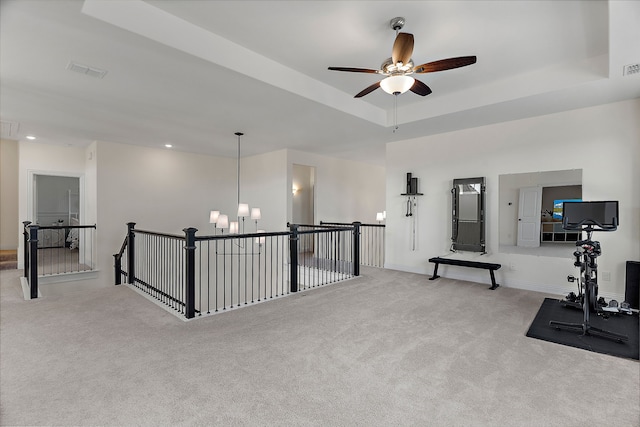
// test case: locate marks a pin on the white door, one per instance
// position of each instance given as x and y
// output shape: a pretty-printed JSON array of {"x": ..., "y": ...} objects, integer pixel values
[{"x": 529, "y": 212}]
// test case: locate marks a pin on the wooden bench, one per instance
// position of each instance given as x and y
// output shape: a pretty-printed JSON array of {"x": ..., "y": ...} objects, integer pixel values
[{"x": 464, "y": 263}]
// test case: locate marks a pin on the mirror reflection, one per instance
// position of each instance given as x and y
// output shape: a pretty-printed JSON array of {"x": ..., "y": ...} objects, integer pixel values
[{"x": 467, "y": 215}]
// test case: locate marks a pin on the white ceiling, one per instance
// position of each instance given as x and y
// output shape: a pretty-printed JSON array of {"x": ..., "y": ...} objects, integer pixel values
[{"x": 191, "y": 73}]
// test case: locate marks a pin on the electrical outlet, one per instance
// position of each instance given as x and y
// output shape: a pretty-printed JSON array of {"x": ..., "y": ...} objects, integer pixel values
[
  {"x": 631, "y": 69},
  {"x": 606, "y": 276}
]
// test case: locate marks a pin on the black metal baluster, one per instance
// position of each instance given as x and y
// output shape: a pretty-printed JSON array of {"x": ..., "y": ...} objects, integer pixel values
[
  {"x": 259, "y": 263},
  {"x": 176, "y": 276},
  {"x": 231, "y": 268},
  {"x": 276, "y": 269},
  {"x": 174, "y": 285},
  {"x": 208, "y": 277},
  {"x": 239, "y": 271},
  {"x": 169, "y": 268},
  {"x": 200, "y": 264},
  {"x": 246, "y": 245},
  {"x": 180, "y": 275},
  {"x": 265, "y": 269},
  {"x": 172, "y": 263},
  {"x": 154, "y": 260},
  {"x": 253, "y": 268},
  {"x": 287, "y": 255},
  {"x": 160, "y": 268},
  {"x": 216, "y": 279},
  {"x": 224, "y": 274}
]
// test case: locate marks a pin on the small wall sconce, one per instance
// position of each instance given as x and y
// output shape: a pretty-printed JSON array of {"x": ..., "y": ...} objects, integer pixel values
[
  {"x": 295, "y": 190},
  {"x": 379, "y": 217}
]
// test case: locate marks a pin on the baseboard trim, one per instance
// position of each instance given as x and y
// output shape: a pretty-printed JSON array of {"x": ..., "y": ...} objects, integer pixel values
[
  {"x": 461, "y": 274},
  {"x": 68, "y": 277},
  {"x": 26, "y": 289}
]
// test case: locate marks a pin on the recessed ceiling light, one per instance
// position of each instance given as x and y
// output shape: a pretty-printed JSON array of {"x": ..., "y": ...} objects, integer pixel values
[
  {"x": 31, "y": 137},
  {"x": 168, "y": 145}
]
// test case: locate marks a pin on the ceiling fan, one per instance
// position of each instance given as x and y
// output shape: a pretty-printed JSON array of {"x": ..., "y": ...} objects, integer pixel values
[{"x": 399, "y": 67}]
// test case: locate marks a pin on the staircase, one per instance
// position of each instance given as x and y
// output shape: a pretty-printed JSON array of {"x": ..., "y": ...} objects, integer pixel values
[{"x": 8, "y": 260}]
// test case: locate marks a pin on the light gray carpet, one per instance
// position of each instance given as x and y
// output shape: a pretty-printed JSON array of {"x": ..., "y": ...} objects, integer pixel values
[{"x": 385, "y": 349}]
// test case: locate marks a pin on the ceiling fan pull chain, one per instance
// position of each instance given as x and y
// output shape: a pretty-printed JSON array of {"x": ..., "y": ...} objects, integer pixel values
[{"x": 395, "y": 113}]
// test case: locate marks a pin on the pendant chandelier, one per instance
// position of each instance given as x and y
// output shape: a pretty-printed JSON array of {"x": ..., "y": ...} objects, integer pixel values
[{"x": 221, "y": 221}]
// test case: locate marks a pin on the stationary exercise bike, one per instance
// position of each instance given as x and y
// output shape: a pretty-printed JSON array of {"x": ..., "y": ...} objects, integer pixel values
[
  {"x": 588, "y": 217},
  {"x": 585, "y": 260}
]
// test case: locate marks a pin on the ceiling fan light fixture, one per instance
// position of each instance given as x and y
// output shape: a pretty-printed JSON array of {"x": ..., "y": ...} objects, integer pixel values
[{"x": 396, "y": 85}]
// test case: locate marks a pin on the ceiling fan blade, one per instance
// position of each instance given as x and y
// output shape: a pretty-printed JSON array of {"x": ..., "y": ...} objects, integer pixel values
[
  {"x": 354, "y": 70},
  {"x": 445, "y": 64},
  {"x": 420, "y": 88},
  {"x": 402, "y": 48},
  {"x": 368, "y": 90}
]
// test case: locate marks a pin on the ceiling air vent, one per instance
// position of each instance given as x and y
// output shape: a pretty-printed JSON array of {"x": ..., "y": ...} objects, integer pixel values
[
  {"x": 9, "y": 129},
  {"x": 87, "y": 70}
]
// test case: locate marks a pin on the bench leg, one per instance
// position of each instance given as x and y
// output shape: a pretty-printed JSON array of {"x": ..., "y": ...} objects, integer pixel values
[
  {"x": 493, "y": 281},
  {"x": 435, "y": 272}
]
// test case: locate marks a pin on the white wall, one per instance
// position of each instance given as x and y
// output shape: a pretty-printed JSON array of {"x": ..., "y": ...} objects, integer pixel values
[
  {"x": 603, "y": 141},
  {"x": 9, "y": 220},
  {"x": 345, "y": 191},
  {"x": 158, "y": 189},
  {"x": 264, "y": 185}
]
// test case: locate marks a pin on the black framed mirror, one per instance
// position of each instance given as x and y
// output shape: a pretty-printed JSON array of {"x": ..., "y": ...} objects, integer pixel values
[{"x": 467, "y": 215}]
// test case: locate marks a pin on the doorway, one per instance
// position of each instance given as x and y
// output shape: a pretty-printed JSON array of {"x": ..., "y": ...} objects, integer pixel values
[
  {"x": 56, "y": 200},
  {"x": 304, "y": 178}
]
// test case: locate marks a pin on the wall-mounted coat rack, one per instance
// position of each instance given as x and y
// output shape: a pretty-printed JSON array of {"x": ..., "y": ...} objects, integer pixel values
[{"x": 412, "y": 205}]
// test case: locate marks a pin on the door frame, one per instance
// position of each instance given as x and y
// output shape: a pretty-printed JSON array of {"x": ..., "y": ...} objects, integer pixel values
[{"x": 32, "y": 192}]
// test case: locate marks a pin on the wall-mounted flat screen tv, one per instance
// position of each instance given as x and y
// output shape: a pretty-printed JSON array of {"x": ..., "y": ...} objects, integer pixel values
[{"x": 557, "y": 207}]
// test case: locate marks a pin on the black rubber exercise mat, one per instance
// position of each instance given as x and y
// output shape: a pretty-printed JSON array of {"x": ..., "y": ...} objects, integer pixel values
[{"x": 552, "y": 309}]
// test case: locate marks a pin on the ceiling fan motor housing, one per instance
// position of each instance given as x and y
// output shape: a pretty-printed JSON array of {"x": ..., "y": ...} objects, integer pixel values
[{"x": 397, "y": 23}]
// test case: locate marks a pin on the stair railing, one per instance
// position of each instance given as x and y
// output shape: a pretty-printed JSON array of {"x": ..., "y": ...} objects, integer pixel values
[
  {"x": 194, "y": 275},
  {"x": 56, "y": 250},
  {"x": 372, "y": 242}
]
